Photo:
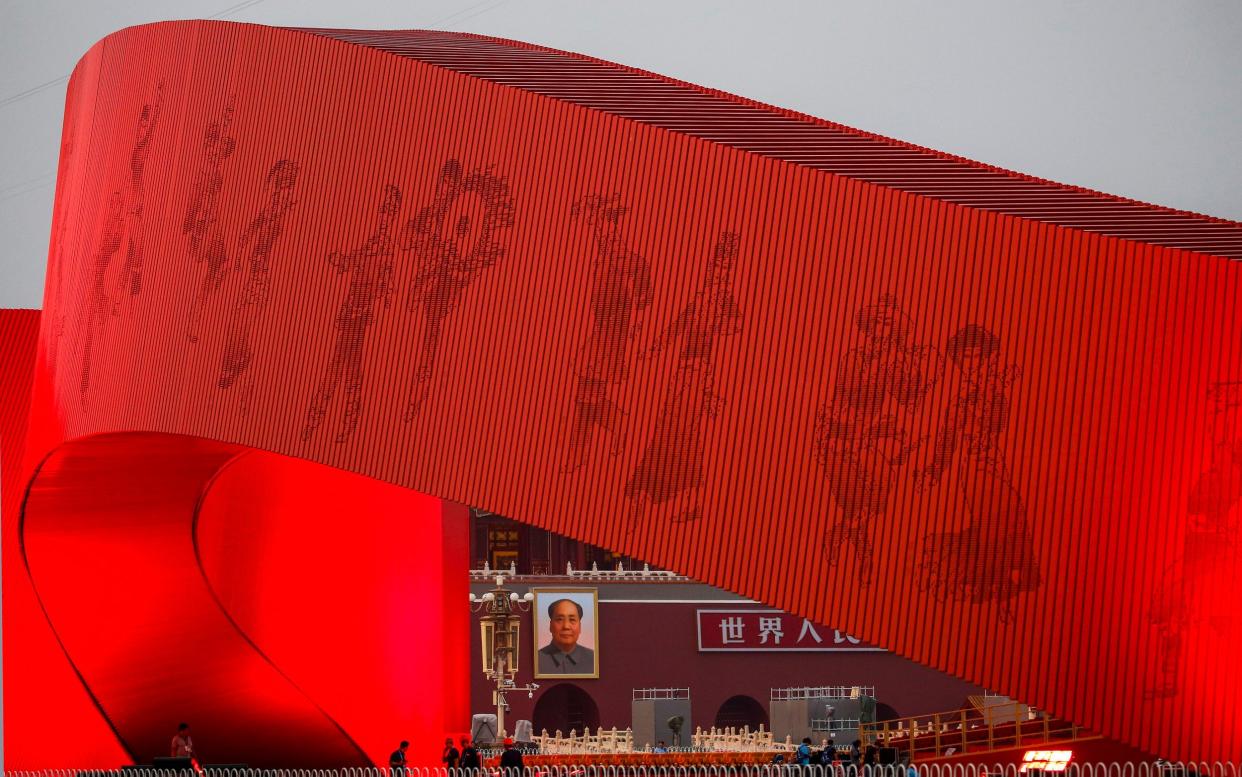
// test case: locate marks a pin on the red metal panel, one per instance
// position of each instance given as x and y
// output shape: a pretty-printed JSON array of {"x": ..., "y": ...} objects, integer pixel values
[
  {"x": 43, "y": 696},
  {"x": 793, "y": 137},
  {"x": 1016, "y": 441},
  {"x": 320, "y": 569}
]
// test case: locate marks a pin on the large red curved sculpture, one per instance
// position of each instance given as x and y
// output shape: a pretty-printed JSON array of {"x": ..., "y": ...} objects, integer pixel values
[
  {"x": 266, "y": 599},
  {"x": 705, "y": 332}
]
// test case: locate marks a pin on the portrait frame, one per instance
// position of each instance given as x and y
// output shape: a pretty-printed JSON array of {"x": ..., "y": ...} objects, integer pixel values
[{"x": 588, "y": 599}]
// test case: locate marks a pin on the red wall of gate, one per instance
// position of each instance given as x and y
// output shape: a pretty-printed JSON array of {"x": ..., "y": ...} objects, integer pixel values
[
  {"x": 1023, "y": 436},
  {"x": 636, "y": 653}
]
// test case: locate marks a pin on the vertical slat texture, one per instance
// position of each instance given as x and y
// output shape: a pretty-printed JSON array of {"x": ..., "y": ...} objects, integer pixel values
[{"x": 1025, "y": 393}]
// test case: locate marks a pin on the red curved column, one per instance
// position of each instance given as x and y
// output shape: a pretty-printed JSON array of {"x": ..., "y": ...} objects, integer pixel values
[
  {"x": 122, "y": 589},
  {"x": 698, "y": 330},
  {"x": 264, "y": 599},
  {"x": 353, "y": 588},
  {"x": 42, "y": 694}
]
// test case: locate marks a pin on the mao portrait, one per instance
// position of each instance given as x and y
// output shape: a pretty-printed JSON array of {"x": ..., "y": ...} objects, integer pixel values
[{"x": 566, "y": 633}]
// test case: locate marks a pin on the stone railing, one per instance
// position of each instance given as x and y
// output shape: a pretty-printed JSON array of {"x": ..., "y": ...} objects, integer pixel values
[
  {"x": 615, "y": 740},
  {"x": 594, "y": 574},
  {"x": 612, "y": 740},
  {"x": 737, "y": 740}
]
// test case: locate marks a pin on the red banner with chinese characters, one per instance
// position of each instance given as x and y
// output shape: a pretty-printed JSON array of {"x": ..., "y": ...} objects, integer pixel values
[{"x": 754, "y": 630}]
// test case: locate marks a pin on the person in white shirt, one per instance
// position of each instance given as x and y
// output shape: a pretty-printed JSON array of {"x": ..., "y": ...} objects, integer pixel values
[{"x": 182, "y": 745}]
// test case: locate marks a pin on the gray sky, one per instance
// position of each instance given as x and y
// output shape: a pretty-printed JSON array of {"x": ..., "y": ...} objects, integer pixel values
[{"x": 1141, "y": 98}]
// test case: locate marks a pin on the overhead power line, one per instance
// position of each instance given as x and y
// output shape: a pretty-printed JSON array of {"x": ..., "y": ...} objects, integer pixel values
[{"x": 32, "y": 91}]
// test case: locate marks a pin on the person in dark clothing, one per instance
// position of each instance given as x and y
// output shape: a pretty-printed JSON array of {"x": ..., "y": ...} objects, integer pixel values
[
  {"x": 396, "y": 761},
  {"x": 451, "y": 756},
  {"x": 511, "y": 758},
  {"x": 871, "y": 756},
  {"x": 469, "y": 755},
  {"x": 871, "y": 759},
  {"x": 855, "y": 757}
]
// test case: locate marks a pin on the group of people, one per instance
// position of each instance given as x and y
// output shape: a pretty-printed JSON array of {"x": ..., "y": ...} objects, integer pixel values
[
  {"x": 467, "y": 757},
  {"x": 855, "y": 758}
]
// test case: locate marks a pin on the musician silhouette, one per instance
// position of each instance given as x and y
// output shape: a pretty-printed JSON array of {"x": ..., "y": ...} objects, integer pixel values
[
  {"x": 1185, "y": 600},
  {"x": 130, "y": 281},
  {"x": 620, "y": 290},
  {"x": 201, "y": 223},
  {"x": 259, "y": 238},
  {"x": 454, "y": 239},
  {"x": 671, "y": 468},
  {"x": 993, "y": 558},
  {"x": 57, "y": 328},
  {"x": 860, "y": 439},
  {"x": 98, "y": 305},
  {"x": 370, "y": 269}
]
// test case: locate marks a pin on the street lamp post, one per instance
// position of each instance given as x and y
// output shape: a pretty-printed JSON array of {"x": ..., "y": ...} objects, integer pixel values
[{"x": 500, "y": 627}]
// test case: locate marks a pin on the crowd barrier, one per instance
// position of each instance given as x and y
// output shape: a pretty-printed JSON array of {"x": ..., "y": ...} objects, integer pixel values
[{"x": 655, "y": 769}]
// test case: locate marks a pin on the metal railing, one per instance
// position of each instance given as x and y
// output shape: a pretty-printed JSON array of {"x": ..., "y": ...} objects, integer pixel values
[
  {"x": 823, "y": 692},
  {"x": 644, "y": 694},
  {"x": 835, "y": 724},
  {"x": 995, "y": 727},
  {"x": 618, "y": 575},
  {"x": 666, "y": 766}
]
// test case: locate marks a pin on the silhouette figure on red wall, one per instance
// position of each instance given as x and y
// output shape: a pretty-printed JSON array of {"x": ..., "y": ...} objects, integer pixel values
[
  {"x": 454, "y": 239},
  {"x": 201, "y": 223},
  {"x": 1185, "y": 600},
  {"x": 57, "y": 328},
  {"x": 370, "y": 269},
  {"x": 993, "y": 558},
  {"x": 671, "y": 468},
  {"x": 860, "y": 440},
  {"x": 130, "y": 281},
  {"x": 99, "y": 304},
  {"x": 124, "y": 219},
  {"x": 259, "y": 238},
  {"x": 620, "y": 290}
]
